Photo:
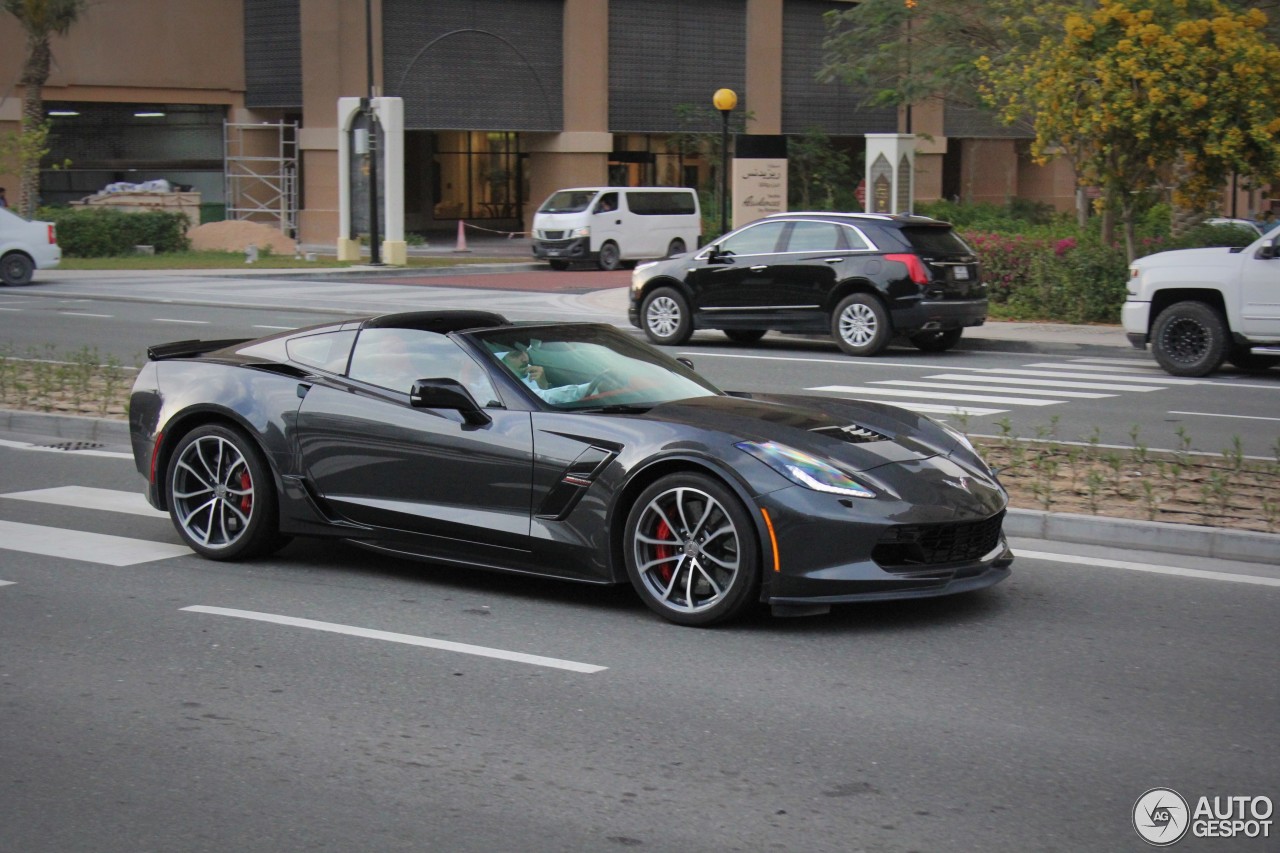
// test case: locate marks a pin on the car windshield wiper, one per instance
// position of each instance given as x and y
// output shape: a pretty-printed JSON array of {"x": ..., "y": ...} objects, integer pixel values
[{"x": 618, "y": 409}]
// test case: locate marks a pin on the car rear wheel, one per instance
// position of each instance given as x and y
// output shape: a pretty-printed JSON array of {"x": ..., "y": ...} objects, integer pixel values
[
  {"x": 744, "y": 336},
  {"x": 610, "y": 258},
  {"x": 17, "y": 269},
  {"x": 666, "y": 317},
  {"x": 860, "y": 325},
  {"x": 936, "y": 341},
  {"x": 676, "y": 247},
  {"x": 1189, "y": 339},
  {"x": 221, "y": 497},
  {"x": 691, "y": 550}
]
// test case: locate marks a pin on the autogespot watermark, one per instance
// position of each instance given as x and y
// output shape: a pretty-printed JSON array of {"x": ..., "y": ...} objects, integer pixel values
[{"x": 1162, "y": 817}]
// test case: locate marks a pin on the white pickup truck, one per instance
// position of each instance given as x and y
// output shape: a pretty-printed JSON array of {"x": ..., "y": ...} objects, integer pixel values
[{"x": 1198, "y": 306}]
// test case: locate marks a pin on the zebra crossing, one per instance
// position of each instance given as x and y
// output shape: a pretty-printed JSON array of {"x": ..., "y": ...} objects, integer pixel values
[
  {"x": 994, "y": 391},
  {"x": 80, "y": 545}
]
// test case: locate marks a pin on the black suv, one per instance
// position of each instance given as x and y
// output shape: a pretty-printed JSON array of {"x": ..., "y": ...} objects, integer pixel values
[{"x": 862, "y": 277}]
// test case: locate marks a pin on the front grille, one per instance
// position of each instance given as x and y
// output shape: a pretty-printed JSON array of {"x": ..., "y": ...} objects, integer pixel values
[
  {"x": 553, "y": 235},
  {"x": 910, "y": 546}
]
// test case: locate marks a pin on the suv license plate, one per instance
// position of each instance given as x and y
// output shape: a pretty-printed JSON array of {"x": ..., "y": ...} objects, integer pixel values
[
  {"x": 551, "y": 253},
  {"x": 962, "y": 273}
]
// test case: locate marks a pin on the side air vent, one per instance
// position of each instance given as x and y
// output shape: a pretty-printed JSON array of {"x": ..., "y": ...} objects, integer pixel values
[{"x": 853, "y": 434}]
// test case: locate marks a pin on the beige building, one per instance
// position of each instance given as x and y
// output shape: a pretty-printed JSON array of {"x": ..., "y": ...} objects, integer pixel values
[{"x": 505, "y": 101}]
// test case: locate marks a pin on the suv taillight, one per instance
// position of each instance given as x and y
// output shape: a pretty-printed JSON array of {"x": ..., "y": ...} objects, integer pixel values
[
  {"x": 53, "y": 238},
  {"x": 915, "y": 267}
]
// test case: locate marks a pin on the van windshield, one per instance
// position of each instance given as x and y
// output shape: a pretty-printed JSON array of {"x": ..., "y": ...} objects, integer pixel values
[{"x": 567, "y": 201}]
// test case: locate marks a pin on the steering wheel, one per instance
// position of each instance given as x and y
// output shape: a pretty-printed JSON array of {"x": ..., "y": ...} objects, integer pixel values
[{"x": 606, "y": 382}]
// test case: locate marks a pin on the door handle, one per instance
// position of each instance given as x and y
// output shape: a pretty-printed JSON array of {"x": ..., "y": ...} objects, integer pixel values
[
  {"x": 760, "y": 267},
  {"x": 834, "y": 260},
  {"x": 303, "y": 388}
]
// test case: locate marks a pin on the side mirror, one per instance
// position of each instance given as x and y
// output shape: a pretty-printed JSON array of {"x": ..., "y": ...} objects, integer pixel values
[
  {"x": 447, "y": 394},
  {"x": 687, "y": 362}
]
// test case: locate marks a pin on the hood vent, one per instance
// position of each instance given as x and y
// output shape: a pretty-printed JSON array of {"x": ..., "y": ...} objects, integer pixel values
[{"x": 853, "y": 433}]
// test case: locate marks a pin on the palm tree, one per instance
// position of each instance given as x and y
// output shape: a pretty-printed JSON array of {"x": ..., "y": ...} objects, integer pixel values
[{"x": 42, "y": 19}]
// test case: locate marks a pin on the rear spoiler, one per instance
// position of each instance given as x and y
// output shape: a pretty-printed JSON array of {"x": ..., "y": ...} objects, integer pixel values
[{"x": 188, "y": 349}]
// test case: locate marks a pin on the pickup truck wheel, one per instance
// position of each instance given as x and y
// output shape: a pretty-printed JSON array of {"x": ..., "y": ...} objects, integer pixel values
[{"x": 1189, "y": 339}]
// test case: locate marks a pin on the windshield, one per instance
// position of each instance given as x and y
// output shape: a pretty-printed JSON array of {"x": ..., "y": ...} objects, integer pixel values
[
  {"x": 568, "y": 201},
  {"x": 590, "y": 367}
]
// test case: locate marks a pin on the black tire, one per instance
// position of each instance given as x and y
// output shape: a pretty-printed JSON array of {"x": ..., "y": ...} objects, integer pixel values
[
  {"x": 666, "y": 318},
  {"x": 1189, "y": 339},
  {"x": 17, "y": 269},
  {"x": 1247, "y": 361},
  {"x": 936, "y": 341},
  {"x": 222, "y": 496},
  {"x": 558, "y": 266},
  {"x": 710, "y": 570},
  {"x": 860, "y": 325},
  {"x": 676, "y": 247},
  {"x": 609, "y": 258},
  {"x": 744, "y": 336}
]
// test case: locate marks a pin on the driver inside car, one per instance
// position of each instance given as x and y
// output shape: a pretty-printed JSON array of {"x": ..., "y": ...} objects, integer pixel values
[{"x": 532, "y": 375}]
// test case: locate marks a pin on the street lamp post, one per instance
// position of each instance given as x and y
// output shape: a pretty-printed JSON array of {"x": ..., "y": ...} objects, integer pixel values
[
  {"x": 375, "y": 255},
  {"x": 725, "y": 100}
]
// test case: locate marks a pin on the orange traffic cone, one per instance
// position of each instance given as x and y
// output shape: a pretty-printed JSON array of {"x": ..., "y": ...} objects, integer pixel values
[{"x": 462, "y": 238}]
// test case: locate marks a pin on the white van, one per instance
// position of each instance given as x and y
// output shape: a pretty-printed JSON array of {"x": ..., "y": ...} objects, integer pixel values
[{"x": 613, "y": 225}]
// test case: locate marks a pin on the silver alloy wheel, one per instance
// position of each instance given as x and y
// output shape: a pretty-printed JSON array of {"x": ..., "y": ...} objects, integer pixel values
[
  {"x": 858, "y": 324},
  {"x": 686, "y": 550},
  {"x": 212, "y": 492},
  {"x": 663, "y": 316}
]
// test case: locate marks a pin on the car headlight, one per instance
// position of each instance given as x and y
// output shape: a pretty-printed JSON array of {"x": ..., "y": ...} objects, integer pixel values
[
  {"x": 805, "y": 470},
  {"x": 584, "y": 231}
]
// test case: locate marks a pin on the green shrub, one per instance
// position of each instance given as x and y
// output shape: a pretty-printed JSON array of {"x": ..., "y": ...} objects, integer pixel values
[
  {"x": 1006, "y": 260},
  {"x": 1075, "y": 282},
  {"x": 101, "y": 232}
]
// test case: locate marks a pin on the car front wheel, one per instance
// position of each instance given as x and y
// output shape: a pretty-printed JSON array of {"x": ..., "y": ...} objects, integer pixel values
[
  {"x": 860, "y": 325},
  {"x": 691, "y": 550},
  {"x": 666, "y": 317},
  {"x": 221, "y": 497},
  {"x": 1189, "y": 339},
  {"x": 17, "y": 269}
]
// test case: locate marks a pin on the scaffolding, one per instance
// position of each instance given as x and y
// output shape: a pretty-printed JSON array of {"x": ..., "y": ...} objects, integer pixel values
[{"x": 260, "y": 173}]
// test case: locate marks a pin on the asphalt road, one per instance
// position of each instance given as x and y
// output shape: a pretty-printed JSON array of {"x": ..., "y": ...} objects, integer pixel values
[{"x": 316, "y": 700}]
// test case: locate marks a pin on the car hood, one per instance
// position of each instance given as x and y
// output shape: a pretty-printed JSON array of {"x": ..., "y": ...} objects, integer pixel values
[
  {"x": 860, "y": 435},
  {"x": 1213, "y": 256}
]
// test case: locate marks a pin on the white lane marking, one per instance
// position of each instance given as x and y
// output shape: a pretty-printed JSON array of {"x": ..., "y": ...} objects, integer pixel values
[
  {"x": 185, "y": 322},
  {"x": 1220, "y": 415},
  {"x": 7, "y": 583},
  {"x": 87, "y": 497},
  {"x": 407, "y": 639},
  {"x": 965, "y": 398},
  {"x": 79, "y": 545},
  {"x": 1128, "y": 362},
  {"x": 954, "y": 386},
  {"x": 1051, "y": 383},
  {"x": 1076, "y": 364},
  {"x": 1147, "y": 567},
  {"x": 23, "y": 445},
  {"x": 276, "y": 328},
  {"x": 83, "y": 314},
  {"x": 1097, "y": 377}
]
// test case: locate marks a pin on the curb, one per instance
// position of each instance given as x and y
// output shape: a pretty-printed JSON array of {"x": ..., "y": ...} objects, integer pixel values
[{"x": 1159, "y": 536}]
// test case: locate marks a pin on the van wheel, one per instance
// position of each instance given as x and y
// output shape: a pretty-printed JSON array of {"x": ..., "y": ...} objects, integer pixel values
[
  {"x": 666, "y": 317},
  {"x": 677, "y": 247},
  {"x": 558, "y": 266},
  {"x": 610, "y": 258},
  {"x": 16, "y": 269},
  {"x": 860, "y": 325}
]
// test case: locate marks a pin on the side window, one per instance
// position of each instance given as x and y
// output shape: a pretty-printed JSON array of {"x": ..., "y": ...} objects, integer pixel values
[
  {"x": 853, "y": 239},
  {"x": 816, "y": 237},
  {"x": 607, "y": 203},
  {"x": 396, "y": 358},
  {"x": 328, "y": 351},
  {"x": 755, "y": 240}
]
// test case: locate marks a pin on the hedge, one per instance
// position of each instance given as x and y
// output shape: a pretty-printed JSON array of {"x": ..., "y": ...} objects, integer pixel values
[{"x": 101, "y": 232}]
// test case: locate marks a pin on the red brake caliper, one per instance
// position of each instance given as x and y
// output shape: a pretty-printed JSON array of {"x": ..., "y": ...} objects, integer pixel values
[
  {"x": 246, "y": 500},
  {"x": 664, "y": 552}
]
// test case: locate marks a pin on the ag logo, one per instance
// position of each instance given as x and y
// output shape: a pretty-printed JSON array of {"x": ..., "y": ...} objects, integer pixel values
[{"x": 1161, "y": 817}]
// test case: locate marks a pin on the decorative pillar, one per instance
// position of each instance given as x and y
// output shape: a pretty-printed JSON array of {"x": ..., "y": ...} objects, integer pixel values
[
  {"x": 890, "y": 175},
  {"x": 390, "y": 123}
]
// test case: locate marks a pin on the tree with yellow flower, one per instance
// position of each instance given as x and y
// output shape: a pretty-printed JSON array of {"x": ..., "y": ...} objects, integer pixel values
[{"x": 1137, "y": 92}]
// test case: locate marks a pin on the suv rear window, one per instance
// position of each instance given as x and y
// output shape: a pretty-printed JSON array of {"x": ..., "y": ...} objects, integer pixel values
[{"x": 935, "y": 241}]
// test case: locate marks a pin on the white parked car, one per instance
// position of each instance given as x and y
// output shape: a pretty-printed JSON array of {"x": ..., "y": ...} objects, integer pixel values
[{"x": 26, "y": 247}]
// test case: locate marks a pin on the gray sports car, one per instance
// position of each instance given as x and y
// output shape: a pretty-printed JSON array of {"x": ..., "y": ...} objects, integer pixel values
[{"x": 568, "y": 450}]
